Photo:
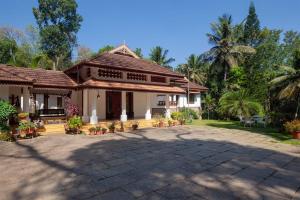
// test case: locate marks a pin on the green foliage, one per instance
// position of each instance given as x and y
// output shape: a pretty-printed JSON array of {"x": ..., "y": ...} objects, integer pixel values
[
  {"x": 75, "y": 122},
  {"x": 159, "y": 56},
  {"x": 239, "y": 104},
  {"x": 292, "y": 126},
  {"x": 106, "y": 48},
  {"x": 58, "y": 23},
  {"x": 251, "y": 27},
  {"x": 189, "y": 113},
  {"x": 8, "y": 48},
  {"x": 195, "y": 68},
  {"x": 6, "y": 111},
  {"x": 138, "y": 52},
  {"x": 6, "y": 136},
  {"x": 24, "y": 125},
  {"x": 176, "y": 115}
]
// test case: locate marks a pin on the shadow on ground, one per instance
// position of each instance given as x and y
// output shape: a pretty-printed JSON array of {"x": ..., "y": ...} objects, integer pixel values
[{"x": 171, "y": 164}]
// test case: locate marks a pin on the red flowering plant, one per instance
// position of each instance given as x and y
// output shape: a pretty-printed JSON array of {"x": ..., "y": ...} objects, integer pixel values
[{"x": 70, "y": 108}]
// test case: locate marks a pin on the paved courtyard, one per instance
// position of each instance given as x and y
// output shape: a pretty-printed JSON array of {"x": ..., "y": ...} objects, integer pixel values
[{"x": 170, "y": 163}]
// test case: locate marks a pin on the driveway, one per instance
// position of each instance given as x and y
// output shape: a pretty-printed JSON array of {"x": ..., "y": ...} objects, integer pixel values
[{"x": 169, "y": 163}]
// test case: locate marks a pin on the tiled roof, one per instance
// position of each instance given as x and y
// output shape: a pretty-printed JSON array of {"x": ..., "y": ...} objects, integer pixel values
[
  {"x": 194, "y": 86},
  {"x": 37, "y": 77},
  {"x": 132, "y": 86},
  {"x": 128, "y": 63}
]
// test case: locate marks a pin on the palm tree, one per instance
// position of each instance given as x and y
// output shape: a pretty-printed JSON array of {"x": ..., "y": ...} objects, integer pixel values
[
  {"x": 209, "y": 104},
  {"x": 239, "y": 104},
  {"x": 288, "y": 84},
  {"x": 159, "y": 56},
  {"x": 226, "y": 51},
  {"x": 195, "y": 69}
]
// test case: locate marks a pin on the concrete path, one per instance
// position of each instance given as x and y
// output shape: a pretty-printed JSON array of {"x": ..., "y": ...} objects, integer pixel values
[{"x": 168, "y": 163}]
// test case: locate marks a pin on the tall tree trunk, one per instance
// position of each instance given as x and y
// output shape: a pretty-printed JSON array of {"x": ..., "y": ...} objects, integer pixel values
[{"x": 297, "y": 109}]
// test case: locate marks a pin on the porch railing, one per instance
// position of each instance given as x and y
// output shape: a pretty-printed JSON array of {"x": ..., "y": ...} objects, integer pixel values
[{"x": 51, "y": 112}]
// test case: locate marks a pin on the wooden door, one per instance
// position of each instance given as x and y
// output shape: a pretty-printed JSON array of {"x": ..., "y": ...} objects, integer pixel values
[{"x": 113, "y": 104}]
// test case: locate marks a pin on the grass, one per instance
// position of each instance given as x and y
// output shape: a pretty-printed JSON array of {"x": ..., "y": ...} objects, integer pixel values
[{"x": 272, "y": 132}]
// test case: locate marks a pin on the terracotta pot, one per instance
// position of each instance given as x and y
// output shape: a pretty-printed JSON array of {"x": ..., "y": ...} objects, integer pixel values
[
  {"x": 104, "y": 131},
  {"x": 161, "y": 124},
  {"x": 296, "y": 135}
]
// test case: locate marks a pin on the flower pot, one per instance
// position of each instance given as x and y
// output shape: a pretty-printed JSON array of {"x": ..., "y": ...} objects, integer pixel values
[
  {"x": 161, "y": 124},
  {"x": 112, "y": 130},
  {"x": 135, "y": 126},
  {"x": 296, "y": 135},
  {"x": 104, "y": 131}
]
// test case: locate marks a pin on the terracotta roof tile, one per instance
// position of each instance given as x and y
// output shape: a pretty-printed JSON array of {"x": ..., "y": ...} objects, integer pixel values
[
  {"x": 132, "y": 86},
  {"x": 38, "y": 77},
  {"x": 194, "y": 86},
  {"x": 129, "y": 63}
]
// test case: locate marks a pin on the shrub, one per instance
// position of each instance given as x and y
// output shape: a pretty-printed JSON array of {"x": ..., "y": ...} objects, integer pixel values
[
  {"x": 190, "y": 113},
  {"x": 6, "y": 111},
  {"x": 292, "y": 126},
  {"x": 176, "y": 115},
  {"x": 6, "y": 137},
  {"x": 75, "y": 122}
]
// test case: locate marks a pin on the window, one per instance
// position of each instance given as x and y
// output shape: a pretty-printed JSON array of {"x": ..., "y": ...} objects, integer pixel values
[
  {"x": 158, "y": 79},
  {"x": 110, "y": 74},
  {"x": 192, "y": 99},
  {"x": 59, "y": 102},
  {"x": 135, "y": 76}
]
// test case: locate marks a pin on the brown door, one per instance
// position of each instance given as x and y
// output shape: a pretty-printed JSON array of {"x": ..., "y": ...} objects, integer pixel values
[
  {"x": 129, "y": 105},
  {"x": 113, "y": 104}
]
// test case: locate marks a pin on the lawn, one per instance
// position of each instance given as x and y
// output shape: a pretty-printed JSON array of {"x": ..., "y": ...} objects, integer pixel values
[{"x": 272, "y": 132}]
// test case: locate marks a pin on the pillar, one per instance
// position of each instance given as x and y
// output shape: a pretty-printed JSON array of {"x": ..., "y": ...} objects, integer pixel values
[
  {"x": 93, "y": 101},
  {"x": 26, "y": 103},
  {"x": 85, "y": 108},
  {"x": 167, "y": 101},
  {"x": 148, "y": 106},
  {"x": 123, "y": 117}
]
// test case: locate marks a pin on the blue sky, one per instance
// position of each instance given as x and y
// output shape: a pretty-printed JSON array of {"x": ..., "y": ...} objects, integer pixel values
[{"x": 178, "y": 25}]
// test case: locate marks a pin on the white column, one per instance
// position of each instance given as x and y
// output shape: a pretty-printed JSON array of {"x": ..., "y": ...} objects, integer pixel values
[
  {"x": 123, "y": 117},
  {"x": 148, "y": 106},
  {"x": 26, "y": 100},
  {"x": 93, "y": 100},
  {"x": 167, "y": 101},
  {"x": 85, "y": 108}
]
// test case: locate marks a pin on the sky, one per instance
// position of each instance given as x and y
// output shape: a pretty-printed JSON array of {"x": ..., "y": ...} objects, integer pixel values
[{"x": 177, "y": 25}]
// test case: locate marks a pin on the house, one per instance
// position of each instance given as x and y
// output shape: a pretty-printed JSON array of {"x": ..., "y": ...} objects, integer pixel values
[{"x": 114, "y": 85}]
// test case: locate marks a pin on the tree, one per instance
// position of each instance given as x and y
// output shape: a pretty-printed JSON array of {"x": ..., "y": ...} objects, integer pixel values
[
  {"x": 106, "y": 48},
  {"x": 239, "y": 104},
  {"x": 159, "y": 56},
  {"x": 209, "y": 104},
  {"x": 195, "y": 69},
  {"x": 226, "y": 52},
  {"x": 138, "y": 52},
  {"x": 288, "y": 82},
  {"x": 8, "y": 49},
  {"x": 58, "y": 23},
  {"x": 84, "y": 53},
  {"x": 251, "y": 27}
]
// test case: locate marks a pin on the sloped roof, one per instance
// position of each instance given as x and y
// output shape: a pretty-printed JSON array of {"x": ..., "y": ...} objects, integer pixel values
[
  {"x": 118, "y": 61},
  {"x": 194, "y": 86},
  {"x": 132, "y": 86},
  {"x": 36, "y": 77}
]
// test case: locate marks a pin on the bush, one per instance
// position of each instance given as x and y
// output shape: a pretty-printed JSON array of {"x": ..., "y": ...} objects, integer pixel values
[
  {"x": 190, "y": 113},
  {"x": 292, "y": 126},
  {"x": 6, "y": 137},
  {"x": 176, "y": 115},
  {"x": 74, "y": 122},
  {"x": 6, "y": 111}
]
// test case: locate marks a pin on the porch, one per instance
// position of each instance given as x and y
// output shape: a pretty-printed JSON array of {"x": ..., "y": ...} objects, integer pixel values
[{"x": 104, "y": 104}]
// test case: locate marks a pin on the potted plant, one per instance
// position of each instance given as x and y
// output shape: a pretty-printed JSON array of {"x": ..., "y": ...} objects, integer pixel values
[
  {"x": 170, "y": 123},
  {"x": 98, "y": 130},
  {"x": 23, "y": 128},
  {"x": 104, "y": 130},
  {"x": 73, "y": 125},
  {"x": 293, "y": 127},
  {"x": 92, "y": 130},
  {"x": 161, "y": 123},
  {"x": 112, "y": 127},
  {"x": 23, "y": 116},
  {"x": 135, "y": 125}
]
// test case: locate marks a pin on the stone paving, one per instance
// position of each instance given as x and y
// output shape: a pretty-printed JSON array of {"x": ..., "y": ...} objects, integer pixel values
[{"x": 168, "y": 163}]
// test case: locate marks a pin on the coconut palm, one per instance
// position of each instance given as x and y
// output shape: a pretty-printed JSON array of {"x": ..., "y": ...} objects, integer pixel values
[
  {"x": 226, "y": 51},
  {"x": 195, "y": 69},
  {"x": 159, "y": 56},
  {"x": 239, "y": 104},
  {"x": 209, "y": 104},
  {"x": 288, "y": 84}
]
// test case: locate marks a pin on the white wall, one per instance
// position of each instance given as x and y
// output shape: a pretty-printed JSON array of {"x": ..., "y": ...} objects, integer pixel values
[
  {"x": 183, "y": 101},
  {"x": 139, "y": 104}
]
